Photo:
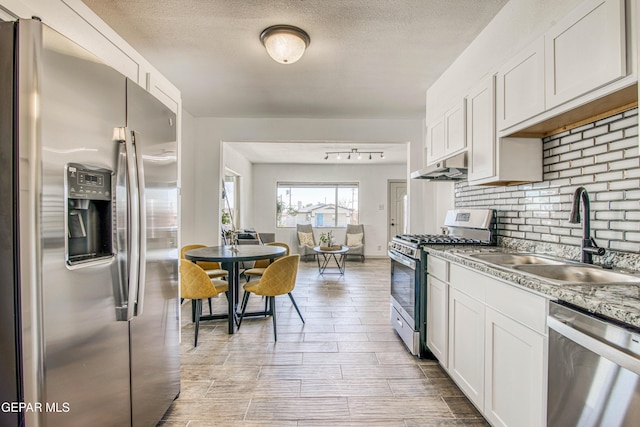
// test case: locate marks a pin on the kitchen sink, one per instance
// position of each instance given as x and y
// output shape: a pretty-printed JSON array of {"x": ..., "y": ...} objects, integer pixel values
[
  {"x": 577, "y": 273},
  {"x": 513, "y": 259}
]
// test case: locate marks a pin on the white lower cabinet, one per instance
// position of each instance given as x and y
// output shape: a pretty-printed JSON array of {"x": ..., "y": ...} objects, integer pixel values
[
  {"x": 437, "y": 319},
  {"x": 515, "y": 374},
  {"x": 466, "y": 345},
  {"x": 497, "y": 344}
]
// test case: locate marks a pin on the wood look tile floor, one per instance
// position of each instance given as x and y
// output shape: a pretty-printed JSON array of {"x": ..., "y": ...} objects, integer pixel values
[{"x": 344, "y": 367}]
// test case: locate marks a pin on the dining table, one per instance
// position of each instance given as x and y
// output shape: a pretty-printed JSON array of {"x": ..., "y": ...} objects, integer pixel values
[{"x": 230, "y": 258}]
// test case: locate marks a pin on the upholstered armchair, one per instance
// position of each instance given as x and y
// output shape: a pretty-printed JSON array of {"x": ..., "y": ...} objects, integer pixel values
[
  {"x": 355, "y": 240},
  {"x": 306, "y": 240}
]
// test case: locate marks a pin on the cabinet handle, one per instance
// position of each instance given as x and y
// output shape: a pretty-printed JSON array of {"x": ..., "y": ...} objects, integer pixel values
[{"x": 594, "y": 345}]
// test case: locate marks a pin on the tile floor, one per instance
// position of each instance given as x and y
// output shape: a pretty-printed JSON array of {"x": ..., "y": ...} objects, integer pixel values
[{"x": 344, "y": 367}]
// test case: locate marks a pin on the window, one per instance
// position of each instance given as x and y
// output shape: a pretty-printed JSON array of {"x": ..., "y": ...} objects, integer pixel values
[
  {"x": 230, "y": 202},
  {"x": 319, "y": 204}
]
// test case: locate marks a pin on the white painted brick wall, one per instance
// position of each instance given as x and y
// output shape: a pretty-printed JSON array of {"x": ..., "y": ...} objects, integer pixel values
[{"x": 603, "y": 157}]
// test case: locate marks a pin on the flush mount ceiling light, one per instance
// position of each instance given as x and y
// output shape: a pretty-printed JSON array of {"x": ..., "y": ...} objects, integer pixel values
[
  {"x": 285, "y": 43},
  {"x": 354, "y": 152}
]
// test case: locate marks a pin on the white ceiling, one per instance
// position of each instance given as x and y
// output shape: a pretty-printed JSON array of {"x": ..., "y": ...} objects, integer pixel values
[
  {"x": 367, "y": 58},
  {"x": 314, "y": 152}
]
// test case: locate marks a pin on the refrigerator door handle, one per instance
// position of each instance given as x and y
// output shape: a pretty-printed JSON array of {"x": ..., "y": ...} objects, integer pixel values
[
  {"x": 122, "y": 227},
  {"x": 142, "y": 233},
  {"x": 133, "y": 201}
]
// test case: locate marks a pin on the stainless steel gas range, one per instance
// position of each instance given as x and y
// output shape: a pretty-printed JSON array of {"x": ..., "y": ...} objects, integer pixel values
[{"x": 409, "y": 270}]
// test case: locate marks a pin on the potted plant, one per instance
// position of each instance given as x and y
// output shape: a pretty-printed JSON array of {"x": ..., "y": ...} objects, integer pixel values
[{"x": 326, "y": 240}]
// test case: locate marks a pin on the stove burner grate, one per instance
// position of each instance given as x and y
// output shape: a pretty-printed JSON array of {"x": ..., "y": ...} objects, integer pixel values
[{"x": 435, "y": 239}]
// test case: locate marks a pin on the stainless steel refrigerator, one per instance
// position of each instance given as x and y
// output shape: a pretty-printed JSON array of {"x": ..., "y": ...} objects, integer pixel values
[{"x": 88, "y": 227}]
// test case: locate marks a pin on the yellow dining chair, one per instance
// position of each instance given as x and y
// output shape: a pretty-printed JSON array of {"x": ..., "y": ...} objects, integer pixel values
[
  {"x": 196, "y": 285},
  {"x": 260, "y": 265},
  {"x": 279, "y": 278},
  {"x": 212, "y": 269}
]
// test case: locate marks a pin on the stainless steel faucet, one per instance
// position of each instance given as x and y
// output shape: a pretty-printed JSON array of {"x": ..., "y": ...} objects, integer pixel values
[{"x": 588, "y": 247}]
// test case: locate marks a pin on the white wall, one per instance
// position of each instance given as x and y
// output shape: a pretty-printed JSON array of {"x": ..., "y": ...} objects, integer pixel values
[
  {"x": 210, "y": 132},
  {"x": 186, "y": 180},
  {"x": 372, "y": 181}
]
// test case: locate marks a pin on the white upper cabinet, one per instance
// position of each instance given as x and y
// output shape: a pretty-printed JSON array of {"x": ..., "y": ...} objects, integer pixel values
[
  {"x": 455, "y": 123},
  {"x": 75, "y": 20},
  {"x": 497, "y": 161},
  {"x": 520, "y": 86},
  {"x": 585, "y": 50},
  {"x": 481, "y": 130},
  {"x": 555, "y": 68},
  {"x": 436, "y": 144},
  {"x": 446, "y": 134}
]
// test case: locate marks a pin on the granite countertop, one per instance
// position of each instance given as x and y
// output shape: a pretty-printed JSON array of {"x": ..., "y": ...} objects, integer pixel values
[{"x": 620, "y": 302}]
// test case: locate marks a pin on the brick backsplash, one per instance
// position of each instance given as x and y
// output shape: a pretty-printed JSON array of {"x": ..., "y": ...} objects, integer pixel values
[{"x": 603, "y": 158}]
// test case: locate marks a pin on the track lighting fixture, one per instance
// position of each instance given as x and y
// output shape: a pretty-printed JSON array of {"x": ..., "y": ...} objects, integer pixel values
[{"x": 353, "y": 151}]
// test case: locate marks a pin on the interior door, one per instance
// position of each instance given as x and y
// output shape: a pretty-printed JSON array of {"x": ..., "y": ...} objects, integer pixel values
[{"x": 397, "y": 208}]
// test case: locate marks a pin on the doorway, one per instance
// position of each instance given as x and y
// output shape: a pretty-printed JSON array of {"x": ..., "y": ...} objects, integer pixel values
[{"x": 397, "y": 212}]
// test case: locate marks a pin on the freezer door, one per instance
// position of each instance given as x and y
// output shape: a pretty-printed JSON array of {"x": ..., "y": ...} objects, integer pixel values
[
  {"x": 155, "y": 351},
  {"x": 77, "y": 355},
  {"x": 10, "y": 369}
]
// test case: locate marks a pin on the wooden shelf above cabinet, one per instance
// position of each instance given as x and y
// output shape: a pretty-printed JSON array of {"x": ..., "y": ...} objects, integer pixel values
[{"x": 614, "y": 103}]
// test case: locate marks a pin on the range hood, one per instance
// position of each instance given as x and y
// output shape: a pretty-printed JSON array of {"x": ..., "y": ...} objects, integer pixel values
[{"x": 451, "y": 169}]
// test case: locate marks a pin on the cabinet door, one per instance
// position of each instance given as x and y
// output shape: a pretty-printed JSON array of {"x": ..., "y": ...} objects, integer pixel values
[
  {"x": 481, "y": 136},
  {"x": 437, "y": 318},
  {"x": 162, "y": 89},
  {"x": 455, "y": 123},
  {"x": 466, "y": 345},
  {"x": 436, "y": 145},
  {"x": 515, "y": 386},
  {"x": 520, "y": 86},
  {"x": 585, "y": 50}
]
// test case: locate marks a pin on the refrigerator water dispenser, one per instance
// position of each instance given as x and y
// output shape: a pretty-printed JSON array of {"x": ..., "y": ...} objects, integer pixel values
[{"x": 89, "y": 214}]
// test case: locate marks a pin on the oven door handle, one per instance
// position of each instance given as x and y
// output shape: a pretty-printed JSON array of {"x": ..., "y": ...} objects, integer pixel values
[
  {"x": 594, "y": 345},
  {"x": 402, "y": 260}
]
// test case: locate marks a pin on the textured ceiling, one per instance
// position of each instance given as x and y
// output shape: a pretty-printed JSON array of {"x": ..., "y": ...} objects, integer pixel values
[{"x": 367, "y": 58}]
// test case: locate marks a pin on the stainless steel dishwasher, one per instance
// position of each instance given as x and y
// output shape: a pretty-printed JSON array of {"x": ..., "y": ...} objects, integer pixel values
[{"x": 594, "y": 371}]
